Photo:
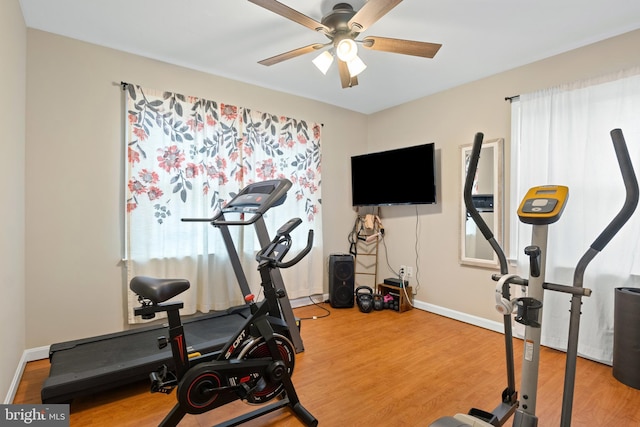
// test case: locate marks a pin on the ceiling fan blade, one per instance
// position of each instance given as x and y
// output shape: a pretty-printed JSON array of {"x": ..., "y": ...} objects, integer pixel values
[
  {"x": 371, "y": 12},
  {"x": 291, "y": 14},
  {"x": 345, "y": 78},
  {"x": 405, "y": 47},
  {"x": 291, "y": 54}
]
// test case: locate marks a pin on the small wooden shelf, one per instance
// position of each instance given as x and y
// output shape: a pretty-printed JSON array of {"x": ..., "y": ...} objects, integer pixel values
[{"x": 399, "y": 294}]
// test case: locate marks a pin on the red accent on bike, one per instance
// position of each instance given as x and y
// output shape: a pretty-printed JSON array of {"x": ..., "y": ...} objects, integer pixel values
[
  {"x": 196, "y": 383},
  {"x": 179, "y": 339},
  {"x": 245, "y": 379},
  {"x": 249, "y": 298}
]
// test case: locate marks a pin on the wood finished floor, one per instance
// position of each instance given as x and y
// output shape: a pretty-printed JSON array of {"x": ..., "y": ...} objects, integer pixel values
[{"x": 381, "y": 369}]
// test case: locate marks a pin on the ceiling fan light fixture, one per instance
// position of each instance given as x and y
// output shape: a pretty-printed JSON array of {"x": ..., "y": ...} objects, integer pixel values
[
  {"x": 347, "y": 50},
  {"x": 323, "y": 61},
  {"x": 356, "y": 66},
  {"x": 342, "y": 25}
]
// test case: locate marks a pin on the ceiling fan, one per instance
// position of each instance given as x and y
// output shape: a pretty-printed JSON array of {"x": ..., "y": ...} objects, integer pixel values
[{"x": 342, "y": 26}]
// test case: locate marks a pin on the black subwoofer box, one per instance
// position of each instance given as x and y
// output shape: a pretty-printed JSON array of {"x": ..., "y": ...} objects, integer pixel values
[{"x": 341, "y": 281}]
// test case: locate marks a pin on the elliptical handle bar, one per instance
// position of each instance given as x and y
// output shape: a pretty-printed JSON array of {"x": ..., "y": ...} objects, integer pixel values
[
  {"x": 631, "y": 185},
  {"x": 468, "y": 201},
  {"x": 631, "y": 201}
]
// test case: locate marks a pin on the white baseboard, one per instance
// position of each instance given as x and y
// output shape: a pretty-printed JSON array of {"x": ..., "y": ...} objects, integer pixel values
[
  {"x": 37, "y": 353},
  {"x": 28, "y": 355},
  {"x": 301, "y": 302},
  {"x": 458, "y": 315},
  {"x": 436, "y": 309}
]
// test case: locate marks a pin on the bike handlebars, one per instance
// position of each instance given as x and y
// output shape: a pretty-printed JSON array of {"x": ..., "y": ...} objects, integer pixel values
[
  {"x": 281, "y": 236},
  {"x": 283, "y": 240},
  {"x": 300, "y": 255}
]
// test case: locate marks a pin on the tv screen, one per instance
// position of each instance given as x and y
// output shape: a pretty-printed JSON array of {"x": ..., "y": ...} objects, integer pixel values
[{"x": 395, "y": 177}]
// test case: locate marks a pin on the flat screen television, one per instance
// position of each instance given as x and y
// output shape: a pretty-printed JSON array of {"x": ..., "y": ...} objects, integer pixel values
[{"x": 404, "y": 176}]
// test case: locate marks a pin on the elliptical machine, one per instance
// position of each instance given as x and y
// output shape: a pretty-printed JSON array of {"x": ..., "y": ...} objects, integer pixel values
[{"x": 540, "y": 207}]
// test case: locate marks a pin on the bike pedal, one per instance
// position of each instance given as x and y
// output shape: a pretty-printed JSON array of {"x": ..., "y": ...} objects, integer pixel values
[
  {"x": 165, "y": 387},
  {"x": 260, "y": 385},
  {"x": 243, "y": 391},
  {"x": 163, "y": 381}
]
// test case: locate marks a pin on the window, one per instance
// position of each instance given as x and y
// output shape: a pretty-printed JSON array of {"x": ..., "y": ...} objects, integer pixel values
[
  {"x": 186, "y": 157},
  {"x": 561, "y": 136}
]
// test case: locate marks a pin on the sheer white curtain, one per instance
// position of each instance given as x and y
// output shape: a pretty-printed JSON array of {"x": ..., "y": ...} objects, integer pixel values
[
  {"x": 561, "y": 136},
  {"x": 188, "y": 156}
]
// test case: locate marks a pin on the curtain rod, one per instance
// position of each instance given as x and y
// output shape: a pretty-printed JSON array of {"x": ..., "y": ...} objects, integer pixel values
[
  {"x": 512, "y": 98},
  {"x": 124, "y": 85}
]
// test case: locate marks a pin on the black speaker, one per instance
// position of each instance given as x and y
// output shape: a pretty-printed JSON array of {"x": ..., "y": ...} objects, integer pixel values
[{"x": 341, "y": 281}]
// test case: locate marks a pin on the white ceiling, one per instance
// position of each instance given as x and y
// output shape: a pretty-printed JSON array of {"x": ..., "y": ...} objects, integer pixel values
[{"x": 228, "y": 38}]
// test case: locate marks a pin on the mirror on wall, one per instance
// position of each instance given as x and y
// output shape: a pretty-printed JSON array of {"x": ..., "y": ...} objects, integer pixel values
[{"x": 488, "y": 200}]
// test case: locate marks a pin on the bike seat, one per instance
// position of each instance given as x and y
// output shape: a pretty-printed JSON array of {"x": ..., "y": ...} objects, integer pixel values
[{"x": 158, "y": 290}]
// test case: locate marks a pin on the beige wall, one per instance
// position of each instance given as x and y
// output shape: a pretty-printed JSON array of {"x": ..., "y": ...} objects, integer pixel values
[
  {"x": 74, "y": 180},
  {"x": 75, "y": 285},
  {"x": 13, "y": 47},
  {"x": 451, "y": 119}
]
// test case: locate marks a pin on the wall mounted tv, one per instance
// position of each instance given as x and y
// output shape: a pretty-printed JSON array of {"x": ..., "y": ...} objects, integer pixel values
[{"x": 404, "y": 176}]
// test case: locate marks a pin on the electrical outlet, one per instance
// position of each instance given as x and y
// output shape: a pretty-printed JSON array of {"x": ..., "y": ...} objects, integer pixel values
[{"x": 405, "y": 272}]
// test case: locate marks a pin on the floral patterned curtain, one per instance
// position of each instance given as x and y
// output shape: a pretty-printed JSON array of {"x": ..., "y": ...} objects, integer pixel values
[{"x": 186, "y": 157}]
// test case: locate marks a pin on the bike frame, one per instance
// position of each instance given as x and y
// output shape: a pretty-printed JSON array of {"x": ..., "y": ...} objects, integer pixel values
[{"x": 266, "y": 319}]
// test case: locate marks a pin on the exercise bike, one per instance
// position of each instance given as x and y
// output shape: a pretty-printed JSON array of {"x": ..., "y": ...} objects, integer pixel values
[
  {"x": 540, "y": 207},
  {"x": 255, "y": 365}
]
